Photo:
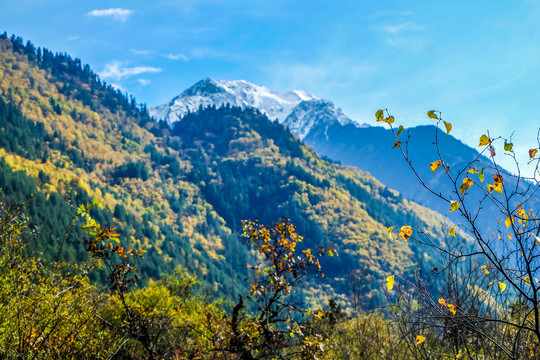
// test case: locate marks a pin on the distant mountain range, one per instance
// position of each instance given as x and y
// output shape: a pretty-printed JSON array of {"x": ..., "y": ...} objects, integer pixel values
[
  {"x": 322, "y": 125},
  {"x": 298, "y": 110}
]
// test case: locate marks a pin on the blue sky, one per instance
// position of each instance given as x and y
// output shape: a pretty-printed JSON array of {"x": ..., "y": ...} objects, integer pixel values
[{"x": 476, "y": 61}]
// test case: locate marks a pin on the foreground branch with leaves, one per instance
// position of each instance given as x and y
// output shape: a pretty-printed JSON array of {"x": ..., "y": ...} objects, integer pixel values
[{"x": 484, "y": 300}]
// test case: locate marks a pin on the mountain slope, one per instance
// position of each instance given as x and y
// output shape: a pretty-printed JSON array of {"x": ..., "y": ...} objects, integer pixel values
[
  {"x": 181, "y": 192},
  {"x": 370, "y": 149}
]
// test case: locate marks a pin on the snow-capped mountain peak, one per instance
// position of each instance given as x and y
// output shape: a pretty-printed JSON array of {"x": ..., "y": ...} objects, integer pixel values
[{"x": 297, "y": 109}]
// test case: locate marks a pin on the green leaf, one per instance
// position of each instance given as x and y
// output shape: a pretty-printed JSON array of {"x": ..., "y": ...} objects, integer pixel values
[
  {"x": 481, "y": 175},
  {"x": 508, "y": 146},
  {"x": 400, "y": 130},
  {"x": 379, "y": 115}
]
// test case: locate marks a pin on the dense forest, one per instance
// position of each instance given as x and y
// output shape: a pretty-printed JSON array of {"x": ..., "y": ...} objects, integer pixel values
[
  {"x": 181, "y": 193},
  {"x": 222, "y": 236}
]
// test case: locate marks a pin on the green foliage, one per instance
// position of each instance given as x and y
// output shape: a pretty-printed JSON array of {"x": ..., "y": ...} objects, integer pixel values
[
  {"x": 46, "y": 312},
  {"x": 180, "y": 193}
]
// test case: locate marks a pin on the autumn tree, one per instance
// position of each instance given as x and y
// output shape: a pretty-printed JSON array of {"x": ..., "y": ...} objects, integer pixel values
[
  {"x": 504, "y": 261},
  {"x": 279, "y": 328}
]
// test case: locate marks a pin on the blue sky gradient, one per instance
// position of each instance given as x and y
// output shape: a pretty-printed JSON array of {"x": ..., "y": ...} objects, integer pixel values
[{"x": 476, "y": 61}]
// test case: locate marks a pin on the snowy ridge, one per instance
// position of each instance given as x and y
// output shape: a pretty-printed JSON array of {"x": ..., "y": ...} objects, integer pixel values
[{"x": 297, "y": 109}]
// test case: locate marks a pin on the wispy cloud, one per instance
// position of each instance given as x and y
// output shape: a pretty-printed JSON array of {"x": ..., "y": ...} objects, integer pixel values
[
  {"x": 141, "y": 52},
  {"x": 327, "y": 75},
  {"x": 399, "y": 28},
  {"x": 118, "y": 87},
  {"x": 73, "y": 38},
  {"x": 386, "y": 14},
  {"x": 177, "y": 56},
  {"x": 143, "y": 82},
  {"x": 118, "y": 14},
  {"x": 117, "y": 70}
]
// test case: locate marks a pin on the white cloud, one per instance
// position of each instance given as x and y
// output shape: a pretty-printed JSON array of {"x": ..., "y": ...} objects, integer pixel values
[
  {"x": 143, "y": 82},
  {"x": 118, "y": 14},
  {"x": 73, "y": 38},
  {"x": 117, "y": 70},
  {"x": 141, "y": 52},
  {"x": 152, "y": 53},
  {"x": 176, "y": 57},
  {"x": 407, "y": 26}
]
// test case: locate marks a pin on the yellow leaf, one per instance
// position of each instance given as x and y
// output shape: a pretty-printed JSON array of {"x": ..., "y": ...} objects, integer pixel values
[
  {"x": 502, "y": 286},
  {"x": 390, "y": 232},
  {"x": 527, "y": 280},
  {"x": 448, "y": 127},
  {"x": 454, "y": 205},
  {"x": 443, "y": 302},
  {"x": 473, "y": 170},
  {"x": 389, "y": 120},
  {"x": 405, "y": 232},
  {"x": 452, "y": 232},
  {"x": 484, "y": 140},
  {"x": 532, "y": 153},
  {"x": 420, "y": 339},
  {"x": 396, "y": 145},
  {"x": 452, "y": 308},
  {"x": 390, "y": 282},
  {"x": 435, "y": 165},
  {"x": 467, "y": 183},
  {"x": 508, "y": 222},
  {"x": 379, "y": 115},
  {"x": 484, "y": 268},
  {"x": 498, "y": 187},
  {"x": 431, "y": 114}
]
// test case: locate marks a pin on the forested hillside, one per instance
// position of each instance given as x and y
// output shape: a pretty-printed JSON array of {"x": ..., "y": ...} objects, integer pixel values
[
  {"x": 181, "y": 193},
  {"x": 224, "y": 236}
]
